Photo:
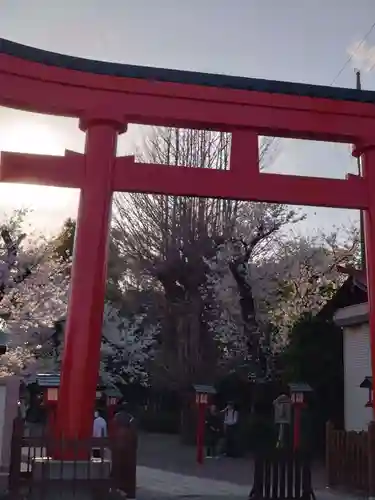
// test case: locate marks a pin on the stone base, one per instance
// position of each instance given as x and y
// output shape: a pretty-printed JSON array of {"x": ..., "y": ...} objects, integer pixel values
[{"x": 44, "y": 469}]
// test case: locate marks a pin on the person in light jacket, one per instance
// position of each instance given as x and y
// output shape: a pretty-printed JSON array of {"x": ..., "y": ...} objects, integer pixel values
[{"x": 99, "y": 431}]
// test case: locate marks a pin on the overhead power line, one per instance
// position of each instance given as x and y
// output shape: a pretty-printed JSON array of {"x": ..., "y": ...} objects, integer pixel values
[{"x": 348, "y": 61}]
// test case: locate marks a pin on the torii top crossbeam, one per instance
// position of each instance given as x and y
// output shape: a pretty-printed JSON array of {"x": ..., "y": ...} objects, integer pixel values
[
  {"x": 105, "y": 97},
  {"x": 45, "y": 82}
]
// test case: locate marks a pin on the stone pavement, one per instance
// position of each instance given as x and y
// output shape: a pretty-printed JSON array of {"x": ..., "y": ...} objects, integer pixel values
[
  {"x": 167, "y": 470},
  {"x": 156, "y": 484},
  {"x": 174, "y": 485}
]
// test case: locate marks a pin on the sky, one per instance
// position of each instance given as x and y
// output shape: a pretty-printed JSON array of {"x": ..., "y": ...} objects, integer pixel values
[{"x": 294, "y": 40}]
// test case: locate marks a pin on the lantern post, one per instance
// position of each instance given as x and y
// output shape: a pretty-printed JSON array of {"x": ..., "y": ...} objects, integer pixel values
[
  {"x": 202, "y": 393},
  {"x": 298, "y": 394},
  {"x": 113, "y": 397},
  {"x": 367, "y": 384}
]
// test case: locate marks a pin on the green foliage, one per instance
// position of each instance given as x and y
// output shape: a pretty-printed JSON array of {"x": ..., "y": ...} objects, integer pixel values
[
  {"x": 314, "y": 355},
  {"x": 64, "y": 243}
]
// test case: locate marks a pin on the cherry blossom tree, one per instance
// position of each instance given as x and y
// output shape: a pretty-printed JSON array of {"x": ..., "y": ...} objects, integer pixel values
[
  {"x": 34, "y": 296},
  {"x": 291, "y": 276},
  {"x": 33, "y": 293},
  {"x": 128, "y": 346},
  {"x": 164, "y": 242}
]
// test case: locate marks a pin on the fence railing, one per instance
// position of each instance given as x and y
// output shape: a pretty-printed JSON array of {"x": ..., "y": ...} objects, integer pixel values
[
  {"x": 43, "y": 465},
  {"x": 282, "y": 474},
  {"x": 350, "y": 459}
]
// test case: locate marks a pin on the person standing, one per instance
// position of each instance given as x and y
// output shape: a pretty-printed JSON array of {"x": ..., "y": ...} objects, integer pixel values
[
  {"x": 230, "y": 429},
  {"x": 99, "y": 431},
  {"x": 213, "y": 431},
  {"x": 124, "y": 451}
]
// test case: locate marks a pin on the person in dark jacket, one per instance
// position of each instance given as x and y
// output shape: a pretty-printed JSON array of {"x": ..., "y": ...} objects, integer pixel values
[
  {"x": 213, "y": 432},
  {"x": 123, "y": 415}
]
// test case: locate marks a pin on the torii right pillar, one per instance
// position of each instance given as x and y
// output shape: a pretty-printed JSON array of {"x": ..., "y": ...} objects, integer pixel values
[{"x": 367, "y": 154}]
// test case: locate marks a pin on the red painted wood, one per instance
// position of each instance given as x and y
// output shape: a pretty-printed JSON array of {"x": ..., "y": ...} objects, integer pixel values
[
  {"x": 244, "y": 154},
  {"x": 243, "y": 183},
  {"x": 247, "y": 114},
  {"x": 42, "y": 169},
  {"x": 172, "y": 111},
  {"x": 275, "y": 188},
  {"x": 368, "y": 167},
  {"x": 60, "y": 91},
  {"x": 88, "y": 282},
  {"x": 200, "y": 432},
  {"x": 27, "y": 69}
]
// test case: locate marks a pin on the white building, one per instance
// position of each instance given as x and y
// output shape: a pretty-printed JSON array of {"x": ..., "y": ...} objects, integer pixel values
[{"x": 353, "y": 320}]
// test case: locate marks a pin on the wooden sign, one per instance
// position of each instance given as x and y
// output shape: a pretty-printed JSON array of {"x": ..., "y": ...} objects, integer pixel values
[
  {"x": 201, "y": 398},
  {"x": 52, "y": 394},
  {"x": 282, "y": 410},
  {"x": 297, "y": 398}
]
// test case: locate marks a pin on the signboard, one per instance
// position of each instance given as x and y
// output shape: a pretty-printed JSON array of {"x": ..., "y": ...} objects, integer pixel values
[
  {"x": 201, "y": 398},
  {"x": 52, "y": 394},
  {"x": 297, "y": 398},
  {"x": 282, "y": 410}
]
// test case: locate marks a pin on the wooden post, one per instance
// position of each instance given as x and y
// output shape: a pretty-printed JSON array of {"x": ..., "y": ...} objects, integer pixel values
[
  {"x": 329, "y": 428},
  {"x": 371, "y": 460},
  {"x": 124, "y": 444},
  {"x": 16, "y": 454},
  {"x": 297, "y": 427},
  {"x": 200, "y": 432}
]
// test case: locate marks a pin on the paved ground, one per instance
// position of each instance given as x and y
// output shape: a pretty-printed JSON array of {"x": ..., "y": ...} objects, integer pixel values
[
  {"x": 156, "y": 484},
  {"x": 169, "y": 470},
  {"x": 166, "y": 453}
]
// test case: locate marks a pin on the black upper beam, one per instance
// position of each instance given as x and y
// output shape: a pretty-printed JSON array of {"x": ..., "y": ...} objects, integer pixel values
[{"x": 184, "y": 77}]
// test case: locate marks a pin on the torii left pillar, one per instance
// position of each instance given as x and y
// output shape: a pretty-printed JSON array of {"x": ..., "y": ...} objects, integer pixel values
[
  {"x": 88, "y": 281},
  {"x": 97, "y": 174}
]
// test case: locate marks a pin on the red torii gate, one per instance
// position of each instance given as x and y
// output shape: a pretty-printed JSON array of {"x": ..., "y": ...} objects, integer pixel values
[{"x": 105, "y": 97}]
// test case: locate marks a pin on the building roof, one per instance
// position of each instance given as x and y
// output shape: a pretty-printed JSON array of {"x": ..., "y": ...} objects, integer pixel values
[
  {"x": 359, "y": 276},
  {"x": 352, "y": 292},
  {"x": 53, "y": 380},
  {"x": 206, "y": 389},
  {"x": 300, "y": 387}
]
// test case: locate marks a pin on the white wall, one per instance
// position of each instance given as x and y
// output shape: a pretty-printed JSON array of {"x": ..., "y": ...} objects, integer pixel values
[
  {"x": 3, "y": 393},
  {"x": 357, "y": 366}
]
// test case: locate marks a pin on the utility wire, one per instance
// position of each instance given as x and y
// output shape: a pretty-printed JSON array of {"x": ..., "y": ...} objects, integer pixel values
[
  {"x": 278, "y": 140},
  {"x": 348, "y": 61}
]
